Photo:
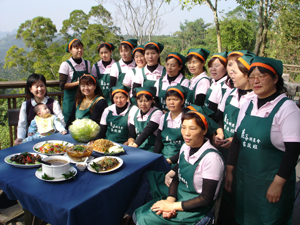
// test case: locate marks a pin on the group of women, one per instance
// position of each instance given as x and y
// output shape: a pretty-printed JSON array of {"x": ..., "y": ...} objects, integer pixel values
[{"x": 240, "y": 119}]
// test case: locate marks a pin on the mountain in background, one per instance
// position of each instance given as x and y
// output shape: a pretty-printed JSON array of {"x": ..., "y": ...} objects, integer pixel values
[{"x": 6, "y": 41}]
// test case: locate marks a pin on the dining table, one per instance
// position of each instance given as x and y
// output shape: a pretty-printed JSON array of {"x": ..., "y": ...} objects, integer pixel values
[{"x": 89, "y": 198}]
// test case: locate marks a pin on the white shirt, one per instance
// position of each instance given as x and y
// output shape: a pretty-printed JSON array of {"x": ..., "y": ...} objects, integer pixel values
[
  {"x": 285, "y": 125},
  {"x": 65, "y": 68},
  {"x": 216, "y": 93},
  {"x": 112, "y": 108},
  {"x": 175, "y": 124},
  {"x": 210, "y": 167},
  {"x": 153, "y": 76},
  {"x": 22, "y": 123},
  {"x": 124, "y": 68},
  {"x": 202, "y": 86}
]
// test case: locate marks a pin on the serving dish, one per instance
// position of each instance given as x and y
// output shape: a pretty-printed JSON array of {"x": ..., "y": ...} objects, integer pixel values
[
  {"x": 90, "y": 168},
  {"x": 115, "y": 149},
  {"x": 8, "y": 161},
  {"x": 39, "y": 174},
  {"x": 51, "y": 147}
]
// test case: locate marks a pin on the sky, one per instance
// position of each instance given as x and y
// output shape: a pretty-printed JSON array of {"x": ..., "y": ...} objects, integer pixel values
[{"x": 15, "y": 12}]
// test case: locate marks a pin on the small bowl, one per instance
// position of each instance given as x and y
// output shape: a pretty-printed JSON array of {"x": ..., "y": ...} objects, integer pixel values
[
  {"x": 81, "y": 166},
  {"x": 56, "y": 170},
  {"x": 79, "y": 156}
]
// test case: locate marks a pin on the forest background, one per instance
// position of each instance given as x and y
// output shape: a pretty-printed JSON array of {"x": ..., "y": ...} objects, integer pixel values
[{"x": 269, "y": 28}]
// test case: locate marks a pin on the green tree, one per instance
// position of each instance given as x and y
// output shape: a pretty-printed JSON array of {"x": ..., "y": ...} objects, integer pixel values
[{"x": 38, "y": 35}]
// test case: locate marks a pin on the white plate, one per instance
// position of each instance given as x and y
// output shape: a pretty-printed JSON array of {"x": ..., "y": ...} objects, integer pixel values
[
  {"x": 108, "y": 154},
  {"x": 38, "y": 145},
  {"x": 99, "y": 158},
  {"x": 39, "y": 174},
  {"x": 23, "y": 165},
  {"x": 74, "y": 162}
]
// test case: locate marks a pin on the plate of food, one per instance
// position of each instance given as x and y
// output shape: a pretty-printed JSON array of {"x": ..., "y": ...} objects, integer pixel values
[
  {"x": 52, "y": 147},
  {"x": 24, "y": 159},
  {"x": 106, "y": 147},
  {"x": 105, "y": 164},
  {"x": 42, "y": 176}
]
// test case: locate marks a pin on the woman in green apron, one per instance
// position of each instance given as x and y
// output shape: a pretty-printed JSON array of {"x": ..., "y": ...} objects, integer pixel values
[
  {"x": 200, "y": 173},
  {"x": 175, "y": 67},
  {"x": 148, "y": 75},
  {"x": 265, "y": 149},
  {"x": 217, "y": 70},
  {"x": 199, "y": 83},
  {"x": 114, "y": 121},
  {"x": 101, "y": 70},
  {"x": 144, "y": 120},
  {"x": 69, "y": 74},
  {"x": 138, "y": 55},
  {"x": 227, "y": 117},
  {"x": 126, "y": 63},
  {"x": 169, "y": 139},
  {"x": 89, "y": 101}
]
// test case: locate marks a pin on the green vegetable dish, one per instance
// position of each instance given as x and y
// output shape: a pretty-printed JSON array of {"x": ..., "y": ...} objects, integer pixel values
[
  {"x": 84, "y": 130},
  {"x": 105, "y": 164}
]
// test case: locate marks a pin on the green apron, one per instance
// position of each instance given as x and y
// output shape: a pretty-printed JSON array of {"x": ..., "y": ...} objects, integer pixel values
[
  {"x": 104, "y": 81},
  {"x": 223, "y": 89},
  {"x": 162, "y": 94},
  {"x": 258, "y": 163},
  {"x": 133, "y": 99},
  {"x": 117, "y": 127},
  {"x": 121, "y": 75},
  {"x": 171, "y": 138},
  {"x": 69, "y": 95},
  {"x": 148, "y": 144},
  {"x": 185, "y": 191},
  {"x": 150, "y": 83},
  {"x": 190, "y": 99},
  {"x": 80, "y": 114}
]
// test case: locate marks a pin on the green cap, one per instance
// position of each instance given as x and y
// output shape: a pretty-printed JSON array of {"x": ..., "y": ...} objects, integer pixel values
[
  {"x": 246, "y": 60},
  {"x": 70, "y": 43},
  {"x": 204, "y": 110},
  {"x": 202, "y": 53},
  {"x": 240, "y": 52},
  {"x": 111, "y": 45},
  {"x": 221, "y": 55},
  {"x": 120, "y": 88},
  {"x": 212, "y": 125},
  {"x": 273, "y": 65},
  {"x": 146, "y": 90},
  {"x": 131, "y": 42},
  {"x": 159, "y": 46},
  {"x": 181, "y": 90},
  {"x": 141, "y": 47},
  {"x": 177, "y": 56}
]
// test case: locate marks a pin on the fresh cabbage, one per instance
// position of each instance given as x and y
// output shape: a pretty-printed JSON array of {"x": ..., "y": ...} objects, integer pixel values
[{"x": 84, "y": 130}]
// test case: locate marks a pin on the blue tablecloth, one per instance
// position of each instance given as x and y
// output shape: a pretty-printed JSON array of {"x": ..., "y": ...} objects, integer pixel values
[{"x": 89, "y": 198}]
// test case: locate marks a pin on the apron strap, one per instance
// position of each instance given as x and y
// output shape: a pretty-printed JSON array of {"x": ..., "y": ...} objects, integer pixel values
[
  {"x": 119, "y": 67},
  {"x": 97, "y": 69},
  {"x": 96, "y": 100}
]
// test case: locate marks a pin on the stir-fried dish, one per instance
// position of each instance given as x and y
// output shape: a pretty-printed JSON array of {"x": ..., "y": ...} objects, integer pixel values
[
  {"x": 25, "y": 158},
  {"x": 105, "y": 164},
  {"x": 101, "y": 145}
]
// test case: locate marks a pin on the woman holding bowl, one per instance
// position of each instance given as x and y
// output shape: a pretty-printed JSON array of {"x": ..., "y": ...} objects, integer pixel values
[
  {"x": 36, "y": 88},
  {"x": 89, "y": 101},
  {"x": 265, "y": 149}
]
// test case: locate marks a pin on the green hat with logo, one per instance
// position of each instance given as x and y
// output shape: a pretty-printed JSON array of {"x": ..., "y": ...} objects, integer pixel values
[
  {"x": 140, "y": 47},
  {"x": 221, "y": 55},
  {"x": 240, "y": 52},
  {"x": 209, "y": 123},
  {"x": 159, "y": 46},
  {"x": 246, "y": 60},
  {"x": 202, "y": 53},
  {"x": 181, "y": 90},
  {"x": 120, "y": 88},
  {"x": 131, "y": 42},
  {"x": 273, "y": 65},
  {"x": 177, "y": 56},
  {"x": 110, "y": 45},
  {"x": 148, "y": 90}
]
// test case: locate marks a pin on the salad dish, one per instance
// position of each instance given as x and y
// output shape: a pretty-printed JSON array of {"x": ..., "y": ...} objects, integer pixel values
[
  {"x": 24, "y": 160},
  {"x": 42, "y": 176},
  {"x": 106, "y": 147},
  {"x": 53, "y": 147},
  {"x": 105, "y": 164}
]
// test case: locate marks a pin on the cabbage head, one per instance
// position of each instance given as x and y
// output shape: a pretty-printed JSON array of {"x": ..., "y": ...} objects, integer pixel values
[{"x": 84, "y": 130}]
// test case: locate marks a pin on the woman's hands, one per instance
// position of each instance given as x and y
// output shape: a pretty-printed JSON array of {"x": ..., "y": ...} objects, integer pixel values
[
  {"x": 275, "y": 189},
  {"x": 133, "y": 145},
  {"x": 18, "y": 141},
  {"x": 167, "y": 207},
  {"x": 169, "y": 177},
  {"x": 229, "y": 178}
]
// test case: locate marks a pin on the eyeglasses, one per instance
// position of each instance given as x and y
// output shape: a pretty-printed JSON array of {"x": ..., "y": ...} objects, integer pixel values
[{"x": 259, "y": 77}]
